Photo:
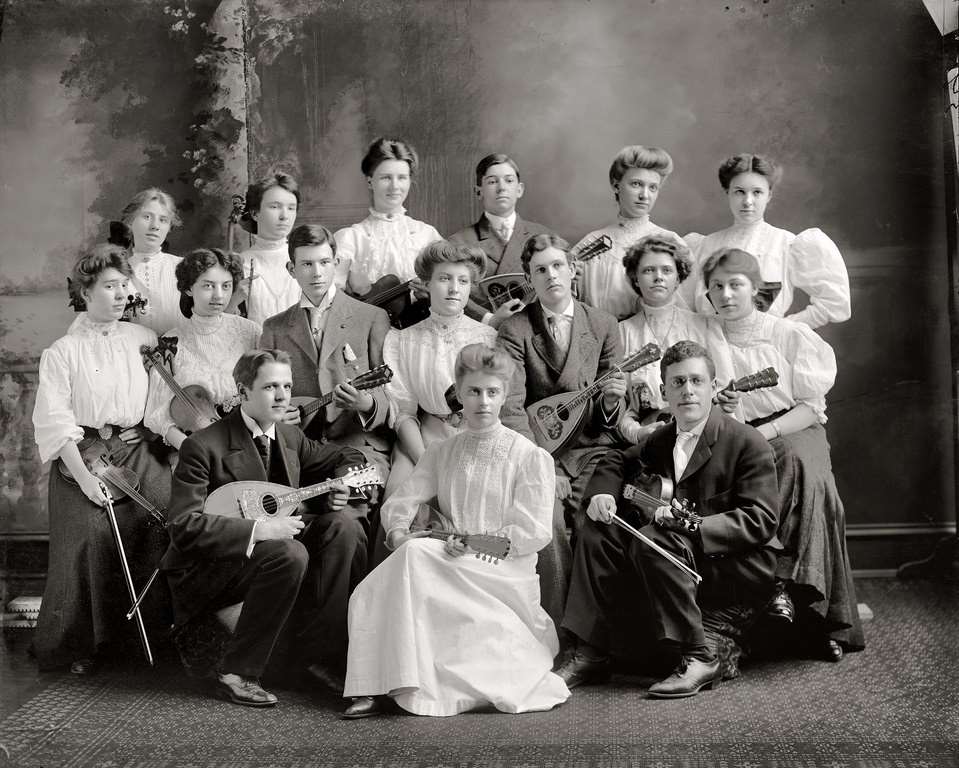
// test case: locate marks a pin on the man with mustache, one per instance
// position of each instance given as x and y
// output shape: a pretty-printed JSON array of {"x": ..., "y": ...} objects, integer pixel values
[
  {"x": 727, "y": 470},
  {"x": 562, "y": 345}
]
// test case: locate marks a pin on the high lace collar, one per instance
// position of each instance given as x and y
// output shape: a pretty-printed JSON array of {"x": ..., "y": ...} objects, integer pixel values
[
  {"x": 446, "y": 322},
  {"x": 379, "y": 216},
  {"x": 205, "y": 326},
  {"x": 84, "y": 325},
  {"x": 744, "y": 328},
  {"x": 262, "y": 244},
  {"x": 632, "y": 225},
  {"x": 746, "y": 229},
  {"x": 144, "y": 256},
  {"x": 660, "y": 313},
  {"x": 485, "y": 431}
]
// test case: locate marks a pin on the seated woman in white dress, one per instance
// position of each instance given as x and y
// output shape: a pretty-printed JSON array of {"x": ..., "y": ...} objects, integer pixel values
[
  {"x": 422, "y": 357},
  {"x": 655, "y": 267},
  {"x": 809, "y": 261},
  {"x": 271, "y": 208},
  {"x": 208, "y": 341},
  {"x": 387, "y": 241},
  {"x": 636, "y": 176},
  {"x": 814, "y": 567},
  {"x": 434, "y": 628},
  {"x": 149, "y": 216},
  {"x": 92, "y": 394}
]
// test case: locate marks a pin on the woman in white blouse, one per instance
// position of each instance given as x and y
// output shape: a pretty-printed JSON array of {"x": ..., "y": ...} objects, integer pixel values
[
  {"x": 149, "y": 216},
  {"x": 809, "y": 261},
  {"x": 655, "y": 267},
  {"x": 93, "y": 388},
  {"x": 387, "y": 241},
  {"x": 435, "y": 628},
  {"x": 208, "y": 341},
  {"x": 422, "y": 357},
  {"x": 271, "y": 208},
  {"x": 814, "y": 567}
]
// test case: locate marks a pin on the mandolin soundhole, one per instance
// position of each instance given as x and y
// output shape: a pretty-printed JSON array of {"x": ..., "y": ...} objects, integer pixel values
[
  {"x": 269, "y": 504},
  {"x": 550, "y": 423}
]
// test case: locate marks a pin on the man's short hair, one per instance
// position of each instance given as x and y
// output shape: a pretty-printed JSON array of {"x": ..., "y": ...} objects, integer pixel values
[
  {"x": 541, "y": 242},
  {"x": 249, "y": 364},
  {"x": 497, "y": 158},
  {"x": 306, "y": 235},
  {"x": 686, "y": 350}
]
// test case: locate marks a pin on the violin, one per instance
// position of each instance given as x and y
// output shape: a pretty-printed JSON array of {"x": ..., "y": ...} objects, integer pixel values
[
  {"x": 393, "y": 295},
  {"x": 650, "y": 491},
  {"x": 192, "y": 407},
  {"x": 121, "y": 482}
]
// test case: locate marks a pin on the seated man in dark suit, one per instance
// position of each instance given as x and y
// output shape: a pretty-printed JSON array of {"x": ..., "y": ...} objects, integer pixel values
[
  {"x": 727, "y": 469},
  {"x": 561, "y": 345},
  {"x": 214, "y": 561},
  {"x": 500, "y": 232}
]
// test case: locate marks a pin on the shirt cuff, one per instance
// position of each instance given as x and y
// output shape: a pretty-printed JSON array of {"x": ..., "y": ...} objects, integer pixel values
[
  {"x": 365, "y": 421},
  {"x": 610, "y": 419},
  {"x": 249, "y": 547},
  {"x": 486, "y": 318}
]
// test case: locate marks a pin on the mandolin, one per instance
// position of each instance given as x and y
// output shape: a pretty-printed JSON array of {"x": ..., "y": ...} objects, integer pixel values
[
  {"x": 257, "y": 500},
  {"x": 393, "y": 295},
  {"x": 556, "y": 421},
  {"x": 120, "y": 481},
  {"x": 192, "y": 407},
  {"x": 488, "y": 547},
  {"x": 649, "y": 491},
  {"x": 308, "y": 406},
  {"x": 767, "y": 377}
]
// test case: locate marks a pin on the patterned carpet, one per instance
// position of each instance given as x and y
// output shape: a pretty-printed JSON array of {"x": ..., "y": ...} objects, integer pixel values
[{"x": 895, "y": 705}]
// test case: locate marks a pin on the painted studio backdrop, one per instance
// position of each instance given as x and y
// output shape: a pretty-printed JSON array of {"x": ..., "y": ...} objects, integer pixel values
[{"x": 99, "y": 100}]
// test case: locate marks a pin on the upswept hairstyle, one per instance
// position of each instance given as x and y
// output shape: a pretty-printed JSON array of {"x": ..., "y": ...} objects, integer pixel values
[
  {"x": 249, "y": 364},
  {"x": 385, "y": 148},
  {"x": 541, "y": 242},
  {"x": 256, "y": 190},
  {"x": 658, "y": 244},
  {"x": 90, "y": 264},
  {"x": 638, "y": 156},
  {"x": 445, "y": 252},
  {"x": 731, "y": 167},
  {"x": 309, "y": 234},
  {"x": 497, "y": 158},
  {"x": 198, "y": 261},
  {"x": 733, "y": 260},
  {"x": 140, "y": 199},
  {"x": 479, "y": 358},
  {"x": 684, "y": 350}
]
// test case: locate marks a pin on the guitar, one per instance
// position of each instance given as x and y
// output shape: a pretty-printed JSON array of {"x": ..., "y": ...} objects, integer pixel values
[
  {"x": 120, "y": 481},
  {"x": 503, "y": 288},
  {"x": 308, "y": 406},
  {"x": 488, "y": 547},
  {"x": 767, "y": 377},
  {"x": 650, "y": 491},
  {"x": 556, "y": 421},
  {"x": 257, "y": 500},
  {"x": 192, "y": 407}
]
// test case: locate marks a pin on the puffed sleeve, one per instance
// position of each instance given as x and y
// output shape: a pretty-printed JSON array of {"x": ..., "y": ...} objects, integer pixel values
[
  {"x": 402, "y": 403},
  {"x": 815, "y": 265},
  {"x": 157, "y": 416},
  {"x": 531, "y": 515},
  {"x": 690, "y": 289},
  {"x": 346, "y": 247},
  {"x": 421, "y": 486},
  {"x": 813, "y": 370},
  {"x": 54, "y": 421}
]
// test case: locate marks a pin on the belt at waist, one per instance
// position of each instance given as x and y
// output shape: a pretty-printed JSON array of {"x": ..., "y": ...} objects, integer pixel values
[
  {"x": 766, "y": 419},
  {"x": 105, "y": 432}
]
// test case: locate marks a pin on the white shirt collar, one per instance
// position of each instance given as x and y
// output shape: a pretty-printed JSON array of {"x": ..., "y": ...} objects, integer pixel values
[
  {"x": 549, "y": 313},
  {"x": 255, "y": 428},
  {"x": 497, "y": 222},
  {"x": 305, "y": 303},
  {"x": 697, "y": 429}
]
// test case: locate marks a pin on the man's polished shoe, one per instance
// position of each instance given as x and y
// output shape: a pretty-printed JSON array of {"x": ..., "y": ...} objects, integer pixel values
[
  {"x": 364, "y": 706},
  {"x": 833, "y": 650},
  {"x": 242, "y": 690},
  {"x": 582, "y": 670},
  {"x": 687, "y": 679},
  {"x": 327, "y": 676},
  {"x": 782, "y": 608}
]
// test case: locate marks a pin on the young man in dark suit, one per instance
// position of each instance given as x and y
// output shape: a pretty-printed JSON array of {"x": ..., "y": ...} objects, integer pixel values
[
  {"x": 727, "y": 469},
  {"x": 214, "y": 561},
  {"x": 500, "y": 232},
  {"x": 561, "y": 345}
]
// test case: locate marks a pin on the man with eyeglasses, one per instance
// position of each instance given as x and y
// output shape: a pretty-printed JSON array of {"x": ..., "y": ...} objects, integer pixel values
[{"x": 723, "y": 467}]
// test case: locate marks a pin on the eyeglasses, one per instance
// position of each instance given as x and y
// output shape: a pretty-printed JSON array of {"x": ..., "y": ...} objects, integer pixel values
[{"x": 678, "y": 382}]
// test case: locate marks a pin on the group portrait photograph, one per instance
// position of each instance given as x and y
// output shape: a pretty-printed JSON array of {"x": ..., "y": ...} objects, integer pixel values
[{"x": 495, "y": 383}]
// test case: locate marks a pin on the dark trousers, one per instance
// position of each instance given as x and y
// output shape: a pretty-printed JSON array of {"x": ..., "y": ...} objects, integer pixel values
[{"x": 609, "y": 561}]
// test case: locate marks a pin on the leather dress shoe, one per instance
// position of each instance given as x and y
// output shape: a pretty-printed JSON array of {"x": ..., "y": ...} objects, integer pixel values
[
  {"x": 364, "y": 706},
  {"x": 581, "y": 670},
  {"x": 782, "y": 608},
  {"x": 327, "y": 676},
  {"x": 833, "y": 650},
  {"x": 245, "y": 691},
  {"x": 687, "y": 679},
  {"x": 83, "y": 667}
]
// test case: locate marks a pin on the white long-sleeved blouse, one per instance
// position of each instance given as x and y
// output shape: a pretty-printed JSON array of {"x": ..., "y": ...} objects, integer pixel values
[
  {"x": 154, "y": 278},
  {"x": 274, "y": 290}
]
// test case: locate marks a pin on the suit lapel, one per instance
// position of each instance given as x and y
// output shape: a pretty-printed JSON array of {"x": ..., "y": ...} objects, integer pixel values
[
  {"x": 544, "y": 343},
  {"x": 289, "y": 457},
  {"x": 581, "y": 338},
  {"x": 511, "y": 261},
  {"x": 336, "y": 328},
  {"x": 491, "y": 244},
  {"x": 299, "y": 325},
  {"x": 703, "y": 450},
  {"x": 242, "y": 460}
]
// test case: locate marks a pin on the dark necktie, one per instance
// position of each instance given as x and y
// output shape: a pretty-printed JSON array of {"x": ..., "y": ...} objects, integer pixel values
[{"x": 263, "y": 448}]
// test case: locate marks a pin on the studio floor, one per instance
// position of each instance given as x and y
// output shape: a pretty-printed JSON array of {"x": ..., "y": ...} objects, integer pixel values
[{"x": 894, "y": 705}]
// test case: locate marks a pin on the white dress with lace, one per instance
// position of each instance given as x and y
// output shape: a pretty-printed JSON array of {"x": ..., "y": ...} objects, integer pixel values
[
  {"x": 207, "y": 349},
  {"x": 809, "y": 261},
  {"x": 274, "y": 290},
  {"x": 92, "y": 376},
  {"x": 444, "y": 634},
  {"x": 154, "y": 278},
  {"x": 381, "y": 244},
  {"x": 602, "y": 280},
  {"x": 422, "y": 358}
]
